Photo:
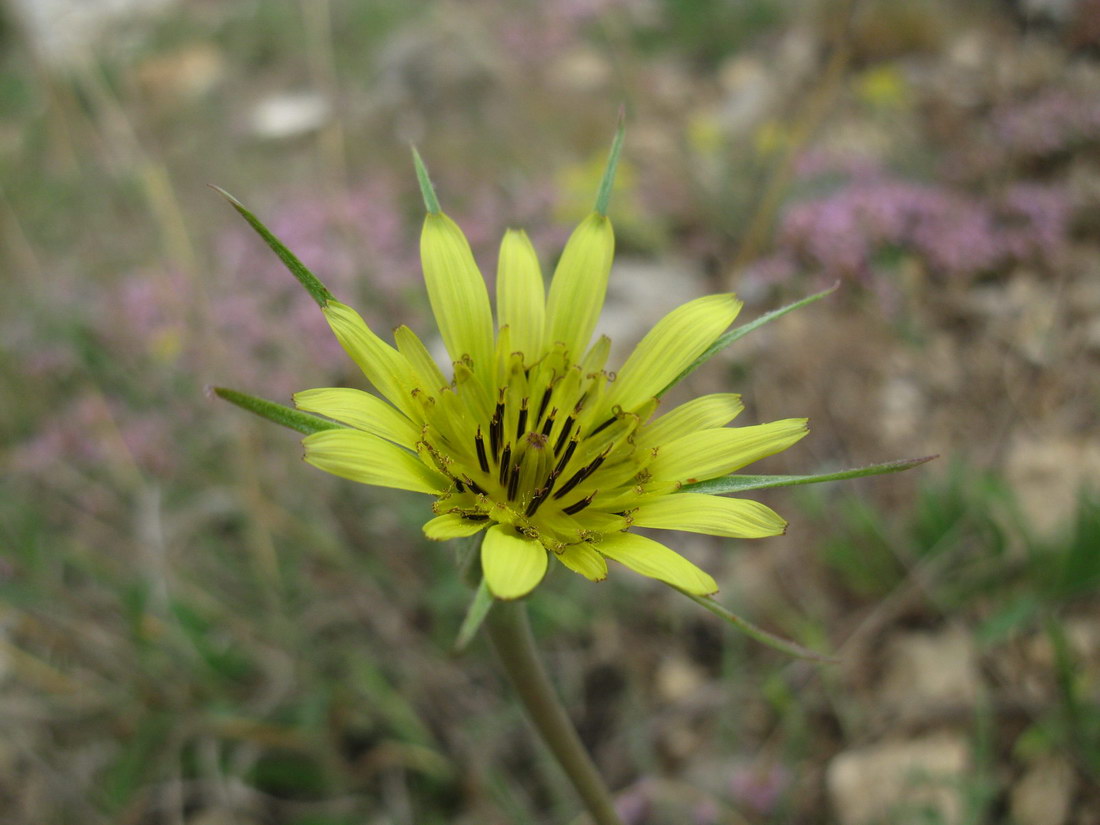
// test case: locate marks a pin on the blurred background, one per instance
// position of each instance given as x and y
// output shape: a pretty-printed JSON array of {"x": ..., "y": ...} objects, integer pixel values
[{"x": 197, "y": 628}]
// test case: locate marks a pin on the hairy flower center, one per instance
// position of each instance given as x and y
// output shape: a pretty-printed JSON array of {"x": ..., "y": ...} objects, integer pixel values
[{"x": 537, "y": 451}]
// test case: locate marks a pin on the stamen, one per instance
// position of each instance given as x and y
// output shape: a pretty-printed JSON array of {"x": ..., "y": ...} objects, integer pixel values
[
  {"x": 549, "y": 423},
  {"x": 568, "y": 454},
  {"x": 542, "y": 404},
  {"x": 496, "y": 429},
  {"x": 513, "y": 483},
  {"x": 475, "y": 516},
  {"x": 521, "y": 425},
  {"x": 459, "y": 486},
  {"x": 564, "y": 433},
  {"x": 505, "y": 457},
  {"x": 582, "y": 474},
  {"x": 482, "y": 459},
  {"x": 473, "y": 485},
  {"x": 603, "y": 426},
  {"x": 576, "y": 507},
  {"x": 538, "y": 498}
]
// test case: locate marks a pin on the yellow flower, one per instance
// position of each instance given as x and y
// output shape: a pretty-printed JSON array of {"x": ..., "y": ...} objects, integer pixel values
[{"x": 531, "y": 438}]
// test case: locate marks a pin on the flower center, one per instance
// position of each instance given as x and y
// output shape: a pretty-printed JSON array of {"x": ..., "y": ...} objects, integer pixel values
[{"x": 537, "y": 450}]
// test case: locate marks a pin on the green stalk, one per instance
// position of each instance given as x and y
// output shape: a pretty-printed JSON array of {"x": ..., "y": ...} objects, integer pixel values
[{"x": 510, "y": 633}]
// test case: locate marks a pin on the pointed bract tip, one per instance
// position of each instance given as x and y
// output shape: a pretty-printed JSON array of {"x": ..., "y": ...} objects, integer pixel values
[
  {"x": 223, "y": 193},
  {"x": 603, "y": 197},
  {"x": 317, "y": 290},
  {"x": 431, "y": 202}
]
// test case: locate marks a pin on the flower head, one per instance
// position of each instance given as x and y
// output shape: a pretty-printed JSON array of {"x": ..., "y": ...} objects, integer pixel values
[{"x": 530, "y": 437}]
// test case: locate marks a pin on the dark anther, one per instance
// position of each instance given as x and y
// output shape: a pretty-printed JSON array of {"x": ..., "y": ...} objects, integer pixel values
[
  {"x": 548, "y": 425},
  {"x": 566, "y": 428},
  {"x": 521, "y": 425},
  {"x": 581, "y": 475},
  {"x": 576, "y": 507},
  {"x": 568, "y": 454},
  {"x": 482, "y": 459},
  {"x": 496, "y": 430},
  {"x": 538, "y": 498},
  {"x": 505, "y": 457},
  {"x": 542, "y": 404},
  {"x": 473, "y": 485},
  {"x": 459, "y": 486},
  {"x": 475, "y": 516},
  {"x": 604, "y": 425},
  {"x": 513, "y": 483}
]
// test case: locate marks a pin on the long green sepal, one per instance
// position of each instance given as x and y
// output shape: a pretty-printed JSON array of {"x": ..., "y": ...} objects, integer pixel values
[
  {"x": 741, "y": 483},
  {"x": 304, "y": 423},
  {"x": 479, "y": 608},
  {"x": 317, "y": 290},
  {"x": 603, "y": 196},
  {"x": 740, "y": 332},
  {"x": 427, "y": 191},
  {"x": 761, "y": 635}
]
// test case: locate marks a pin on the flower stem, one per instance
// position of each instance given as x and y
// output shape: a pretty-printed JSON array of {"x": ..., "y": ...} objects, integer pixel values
[{"x": 510, "y": 634}]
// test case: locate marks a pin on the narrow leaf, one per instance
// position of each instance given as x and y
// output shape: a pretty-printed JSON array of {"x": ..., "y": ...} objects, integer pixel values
[
  {"x": 741, "y": 483},
  {"x": 427, "y": 191},
  {"x": 603, "y": 197},
  {"x": 740, "y": 332},
  {"x": 318, "y": 291},
  {"x": 479, "y": 608},
  {"x": 761, "y": 635},
  {"x": 305, "y": 423}
]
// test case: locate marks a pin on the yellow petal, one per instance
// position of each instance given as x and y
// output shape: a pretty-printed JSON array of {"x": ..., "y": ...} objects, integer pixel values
[
  {"x": 427, "y": 370},
  {"x": 703, "y": 413},
  {"x": 583, "y": 559},
  {"x": 714, "y": 515},
  {"x": 580, "y": 284},
  {"x": 456, "y": 290},
  {"x": 651, "y": 558},
  {"x": 452, "y": 526},
  {"x": 671, "y": 346},
  {"x": 713, "y": 453},
  {"x": 384, "y": 366},
  {"x": 513, "y": 564},
  {"x": 521, "y": 296},
  {"x": 368, "y": 459},
  {"x": 361, "y": 410}
]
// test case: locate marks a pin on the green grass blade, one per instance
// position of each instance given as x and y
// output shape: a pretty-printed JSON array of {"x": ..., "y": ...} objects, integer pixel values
[
  {"x": 427, "y": 191},
  {"x": 304, "y": 423},
  {"x": 741, "y": 483},
  {"x": 603, "y": 196},
  {"x": 761, "y": 635},
  {"x": 317, "y": 290},
  {"x": 479, "y": 608},
  {"x": 740, "y": 332}
]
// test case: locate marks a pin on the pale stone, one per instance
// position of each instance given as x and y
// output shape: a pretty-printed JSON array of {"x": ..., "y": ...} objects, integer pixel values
[
  {"x": 67, "y": 32},
  {"x": 677, "y": 678},
  {"x": 1046, "y": 473},
  {"x": 927, "y": 670},
  {"x": 289, "y": 115},
  {"x": 1043, "y": 794},
  {"x": 581, "y": 69},
  {"x": 879, "y": 783}
]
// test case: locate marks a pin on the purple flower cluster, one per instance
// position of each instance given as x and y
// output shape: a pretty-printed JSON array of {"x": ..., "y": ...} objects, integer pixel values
[
  {"x": 1055, "y": 121},
  {"x": 156, "y": 343},
  {"x": 952, "y": 232}
]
